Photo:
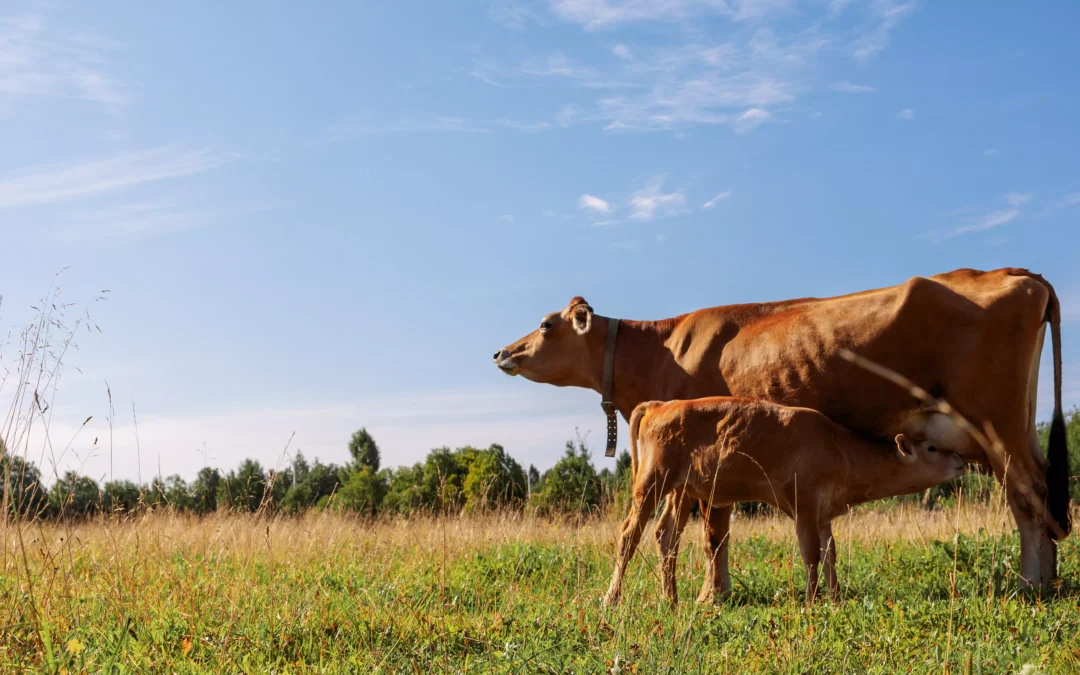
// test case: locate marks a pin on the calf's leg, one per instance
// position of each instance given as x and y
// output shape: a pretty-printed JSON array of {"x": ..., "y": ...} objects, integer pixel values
[
  {"x": 810, "y": 547},
  {"x": 716, "y": 526},
  {"x": 629, "y": 536},
  {"x": 668, "y": 532},
  {"x": 828, "y": 560}
]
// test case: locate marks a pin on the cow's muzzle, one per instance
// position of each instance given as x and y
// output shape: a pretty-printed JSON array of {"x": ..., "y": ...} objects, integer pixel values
[{"x": 505, "y": 363}]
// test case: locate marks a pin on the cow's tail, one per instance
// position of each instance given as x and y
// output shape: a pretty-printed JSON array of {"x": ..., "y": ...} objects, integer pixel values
[
  {"x": 1057, "y": 456},
  {"x": 635, "y": 424}
]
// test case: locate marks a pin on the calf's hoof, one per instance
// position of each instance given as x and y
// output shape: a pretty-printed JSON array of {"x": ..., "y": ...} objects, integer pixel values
[{"x": 610, "y": 599}]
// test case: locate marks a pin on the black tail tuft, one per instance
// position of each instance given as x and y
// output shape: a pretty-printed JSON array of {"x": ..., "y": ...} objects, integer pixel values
[{"x": 1057, "y": 474}]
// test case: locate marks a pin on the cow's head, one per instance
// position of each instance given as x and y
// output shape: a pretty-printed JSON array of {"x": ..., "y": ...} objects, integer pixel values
[
  {"x": 925, "y": 465},
  {"x": 563, "y": 351}
]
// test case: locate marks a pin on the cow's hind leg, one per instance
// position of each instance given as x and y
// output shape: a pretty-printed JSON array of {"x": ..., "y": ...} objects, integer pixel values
[
  {"x": 668, "y": 532},
  {"x": 716, "y": 526}
]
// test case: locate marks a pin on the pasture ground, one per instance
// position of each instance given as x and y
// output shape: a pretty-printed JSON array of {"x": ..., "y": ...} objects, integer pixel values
[{"x": 923, "y": 592}]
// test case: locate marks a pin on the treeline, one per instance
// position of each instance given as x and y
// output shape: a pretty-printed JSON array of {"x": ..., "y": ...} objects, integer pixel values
[
  {"x": 466, "y": 479},
  {"x": 448, "y": 481}
]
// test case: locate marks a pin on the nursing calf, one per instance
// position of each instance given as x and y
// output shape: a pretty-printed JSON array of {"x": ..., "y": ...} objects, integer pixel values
[{"x": 722, "y": 450}]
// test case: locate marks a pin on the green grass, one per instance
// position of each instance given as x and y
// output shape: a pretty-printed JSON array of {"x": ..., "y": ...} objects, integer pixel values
[{"x": 514, "y": 594}]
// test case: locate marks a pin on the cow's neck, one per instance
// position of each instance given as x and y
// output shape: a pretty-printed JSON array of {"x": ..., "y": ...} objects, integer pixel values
[{"x": 640, "y": 354}]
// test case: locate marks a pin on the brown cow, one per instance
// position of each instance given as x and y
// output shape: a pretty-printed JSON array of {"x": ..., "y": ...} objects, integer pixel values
[
  {"x": 723, "y": 449},
  {"x": 971, "y": 337}
]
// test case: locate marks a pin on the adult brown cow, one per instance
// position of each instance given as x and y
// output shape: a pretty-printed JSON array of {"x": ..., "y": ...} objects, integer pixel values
[{"x": 971, "y": 337}]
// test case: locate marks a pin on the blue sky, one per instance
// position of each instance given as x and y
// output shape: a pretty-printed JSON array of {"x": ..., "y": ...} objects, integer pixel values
[{"x": 315, "y": 218}]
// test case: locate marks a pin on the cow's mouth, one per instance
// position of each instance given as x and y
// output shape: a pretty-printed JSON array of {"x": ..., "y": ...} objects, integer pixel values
[{"x": 507, "y": 366}]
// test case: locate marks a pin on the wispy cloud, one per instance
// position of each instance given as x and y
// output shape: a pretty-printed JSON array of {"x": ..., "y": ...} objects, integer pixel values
[
  {"x": 504, "y": 219},
  {"x": 985, "y": 220},
  {"x": 39, "y": 185},
  {"x": 595, "y": 204},
  {"x": 525, "y": 127},
  {"x": 651, "y": 201},
  {"x": 990, "y": 152},
  {"x": 750, "y": 119},
  {"x": 845, "y": 87},
  {"x": 1067, "y": 201},
  {"x": 36, "y": 61},
  {"x": 362, "y": 126},
  {"x": 1017, "y": 199},
  {"x": 716, "y": 200},
  {"x": 884, "y": 16},
  {"x": 366, "y": 125},
  {"x": 989, "y": 221},
  {"x": 906, "y": 114},
  {"x": 622, "y": 51},
  {"x": 596, "y": 14},
  {"x": 139, "y": 220}
]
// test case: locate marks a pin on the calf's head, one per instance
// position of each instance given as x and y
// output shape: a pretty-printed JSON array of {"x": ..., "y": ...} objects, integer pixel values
[
  {"x": 923, "y": 466},
  {"x": 563, "y": 351}
]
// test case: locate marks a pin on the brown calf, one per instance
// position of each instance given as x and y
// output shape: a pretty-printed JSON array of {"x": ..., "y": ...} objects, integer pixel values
[{"x": 722, "y": 450}]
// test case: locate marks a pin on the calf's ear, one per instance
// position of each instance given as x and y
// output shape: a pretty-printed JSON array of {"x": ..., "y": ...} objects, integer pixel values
[{"x": 905, "y": 448}]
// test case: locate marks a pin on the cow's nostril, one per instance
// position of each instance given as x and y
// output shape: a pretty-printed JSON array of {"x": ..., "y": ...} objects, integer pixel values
[{"x": 496, "y": 357}]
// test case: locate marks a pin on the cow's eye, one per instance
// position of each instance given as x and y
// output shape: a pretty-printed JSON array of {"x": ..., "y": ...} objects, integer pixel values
[
  {"x": 546, "y": 325},
  {"x": 931, "y": 449}
]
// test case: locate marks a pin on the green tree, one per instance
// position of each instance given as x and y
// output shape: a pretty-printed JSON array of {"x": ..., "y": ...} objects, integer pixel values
[
  {"x": 493, "y": 479},
  {"x": 74, "y": 495},
  {"x": 23, "y": 493},
  {"x": 243, "y": 489},
  {"x": 442, "y": 481},
  {"x": 362, "y": 491},
  {"x": 364, "y": 451},
  {"x": 204, "y": 490},
  {"x": 177, "y": 494},
  {"x": 405, "y": 492},
  {"x": 121, "y": 496},
  {"x": 571, "y": 486}
]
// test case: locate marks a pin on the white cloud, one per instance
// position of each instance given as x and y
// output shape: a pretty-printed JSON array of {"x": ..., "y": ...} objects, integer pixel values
[
  {"x": 38, "y": 62},
  {"x": 661, "y": 237},
  {"x": 989, "y": 221},
  {"x": 505, "y": 219},
  {"x": 360, "y": 126},
  {"x": 525, "y": 127},
  {"x": 34, "y": 186},
  {"x": 845, "y": 87},
  {"x": 1018, "y": 199},
  {"x": 990, "y": 152},
  {"x": 986, "y": 220},
  {"x": 716, "y": 200},
  {"x": 750, "y": 119},
  {"x": 906, "y": 114},
  {"x": 138, "y": 220},
  {"x": 622, "y": 51},
  {"x": 561, "y": 65},
  {"x": 884, "y": 16},
  {"x": 673, "y": 88},
  {"x": 651, "y": 201},
  {"x": 595, "y": 14},
  {"x": 591, "y": 203},
  {"x": 565, "y": 117}
]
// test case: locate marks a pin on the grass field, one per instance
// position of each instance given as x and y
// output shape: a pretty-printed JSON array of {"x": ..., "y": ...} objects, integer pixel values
[{"x": 923, "y": 592}]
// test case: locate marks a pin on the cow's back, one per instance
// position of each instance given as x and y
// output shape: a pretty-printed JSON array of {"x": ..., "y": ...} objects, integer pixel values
[{"x": 947, "y": 332}]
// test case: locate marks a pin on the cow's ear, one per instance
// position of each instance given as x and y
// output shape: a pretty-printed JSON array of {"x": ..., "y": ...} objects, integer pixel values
[
  {"x": 581, "y": 318},
  {"x": 905, "y": 448}
]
